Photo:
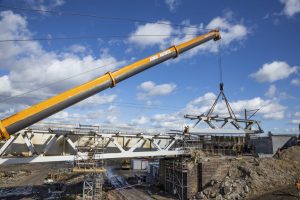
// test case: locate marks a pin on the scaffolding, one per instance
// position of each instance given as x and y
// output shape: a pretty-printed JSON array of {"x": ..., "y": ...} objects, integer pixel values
[
  {"x": 86, "y": 163},
  {"x": 176, "y": 178},
  {"x": 92, "y": 186},
  {"x": 183, "y": 176}
]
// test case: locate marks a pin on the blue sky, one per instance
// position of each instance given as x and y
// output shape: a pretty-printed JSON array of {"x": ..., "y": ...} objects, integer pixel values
[{"x": 259, "y": 49}]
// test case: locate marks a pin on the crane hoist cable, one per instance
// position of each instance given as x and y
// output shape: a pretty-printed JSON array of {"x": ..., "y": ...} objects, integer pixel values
[
  {"x": 220, "y": 61},
  {"x": 78, "y": 14},
  {"x": 88, "y": 37}
]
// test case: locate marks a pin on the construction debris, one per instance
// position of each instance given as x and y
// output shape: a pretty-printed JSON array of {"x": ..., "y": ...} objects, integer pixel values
[{"x": 247, "y": 178}]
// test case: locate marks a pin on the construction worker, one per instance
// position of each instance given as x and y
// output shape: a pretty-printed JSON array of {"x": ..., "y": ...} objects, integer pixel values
[
  {"x": 186, "y": 131},
  {"x": 298, "y": 187}
]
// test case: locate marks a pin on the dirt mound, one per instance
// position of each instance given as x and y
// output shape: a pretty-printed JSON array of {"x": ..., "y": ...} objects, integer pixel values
[
  {"x": 255, "y": 176},
  {"x": 292, "y": 154}
]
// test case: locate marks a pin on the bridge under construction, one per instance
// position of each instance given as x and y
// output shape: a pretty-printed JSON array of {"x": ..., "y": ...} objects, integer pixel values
[{"x": 183, "y": 163}]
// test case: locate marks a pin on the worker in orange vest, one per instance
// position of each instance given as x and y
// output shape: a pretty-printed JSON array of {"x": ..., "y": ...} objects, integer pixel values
[{"x": 298, "y": 187}]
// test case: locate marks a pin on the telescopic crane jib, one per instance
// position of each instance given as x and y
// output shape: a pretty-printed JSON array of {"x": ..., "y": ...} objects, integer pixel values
[{"x": 35, "y": 113}]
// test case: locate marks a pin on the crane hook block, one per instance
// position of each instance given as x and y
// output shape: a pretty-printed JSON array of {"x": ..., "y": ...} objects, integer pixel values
[{"x": 221, "y": 86}]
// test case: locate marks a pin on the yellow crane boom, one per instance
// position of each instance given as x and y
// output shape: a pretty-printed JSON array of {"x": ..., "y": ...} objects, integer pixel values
[{"x": 35, "y": 113}]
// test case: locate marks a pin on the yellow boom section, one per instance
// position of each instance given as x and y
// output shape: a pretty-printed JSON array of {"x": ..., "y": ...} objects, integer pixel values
[{"x": 35, "y": 113}]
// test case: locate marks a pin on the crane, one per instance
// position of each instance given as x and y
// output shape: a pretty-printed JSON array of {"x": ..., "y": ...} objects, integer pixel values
[{"x": 44, "y": 109}]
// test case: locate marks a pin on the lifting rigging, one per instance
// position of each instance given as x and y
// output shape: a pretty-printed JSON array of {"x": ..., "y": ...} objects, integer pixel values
[{"x": 208, "y": 118}]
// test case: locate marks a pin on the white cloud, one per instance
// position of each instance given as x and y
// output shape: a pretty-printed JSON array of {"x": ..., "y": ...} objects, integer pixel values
[
  {"x": 160, "y": 28},
  {"x": 297, "y": 114},
  {"x": 96, "y": 100},
  {"x": 172, "y": 4},
  {"x": 167, "y": 121},
  {"x": 296, "y": 82},
  {"x": 271, "y": 91},
  {"x": 30, "y": 66},
  {"x": 201, "y": 104},
  {"x": 230, "y": 32},
  {"x": 5, "y": 85},
  {"x": 141, "y": 120},
  {"x": 111, "y": 119},
  {"x": 108, "y": 116},
  {"x": 150, "y": 89},
  {"x": 296, "y": 117},
  {"x": 44, "y": 4},
  {"x": 77, "y": 48},
  {"x": 269, "y": 109},
  {"x": 295, "y": 121},
  {"x": 14, "y": 26},
  {"x": 291, "y": 7},
  {"x": 271, "y": 72}
]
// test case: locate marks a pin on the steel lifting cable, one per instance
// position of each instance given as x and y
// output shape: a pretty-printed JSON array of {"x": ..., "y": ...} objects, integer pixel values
[
  {"x": 220, "y": 61},
  {"x": 88, "y": 37}
]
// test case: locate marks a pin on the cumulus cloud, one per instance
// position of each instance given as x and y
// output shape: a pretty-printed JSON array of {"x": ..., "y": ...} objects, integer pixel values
[
  {"x": 231, "y": 32},
  {"x": 271, "y": 91},
  {"x": 141, "y": 120},
  {"x": 291, "y": 7},
  {"x": 296, "y": 119},
  {"x": 297, "y": 114},
  {"x": 271, "y": 72},
  {"x": 269, "y": 109},
  {"x": 296, "y": 82},
  {"x": 108, "y": 115},
  {"x": 161, "y": 31},
  {"x": 96, "y": 100},
  {"x": 30, "y": 66},
  {"x": 77, "y": 48},
  {"x": 172, "y": 4},
  {"x": 150, "y": 89},
  {"x": 170, "y": 121},
  {"x": 44, "y": 4}
]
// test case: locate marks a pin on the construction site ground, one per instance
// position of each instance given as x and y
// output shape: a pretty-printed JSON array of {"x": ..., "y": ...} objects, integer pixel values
[
  {"x": 27, "y": 182},
  {"x": 257, "y": 178},
  {"x": 247, "y": 178}
]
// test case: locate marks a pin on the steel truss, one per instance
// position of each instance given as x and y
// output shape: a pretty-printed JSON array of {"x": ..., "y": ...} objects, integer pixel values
[
  {"x": 251, "y": 126},
  {"x": 38, "y": 145}
]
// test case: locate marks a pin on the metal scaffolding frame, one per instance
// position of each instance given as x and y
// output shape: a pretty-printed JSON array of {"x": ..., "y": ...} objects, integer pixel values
[
  {"x": 176, "y": 177},
  {"x": 92, "y": 185}
]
